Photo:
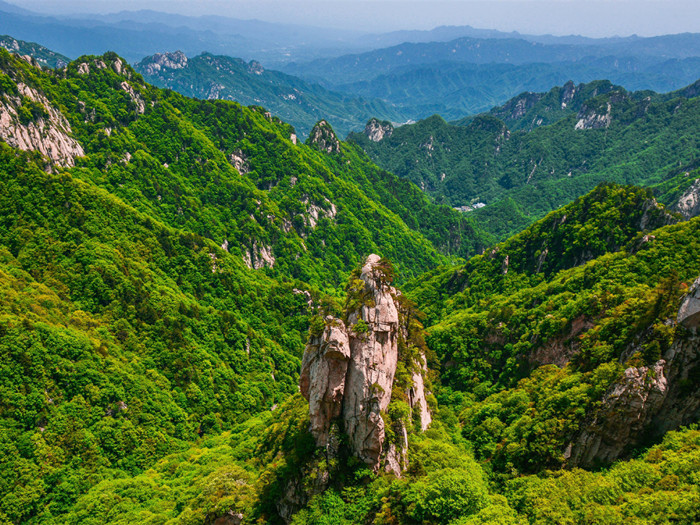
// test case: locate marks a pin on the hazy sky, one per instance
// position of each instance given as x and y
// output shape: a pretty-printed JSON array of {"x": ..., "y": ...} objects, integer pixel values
[{"x": 587, "y": 17}]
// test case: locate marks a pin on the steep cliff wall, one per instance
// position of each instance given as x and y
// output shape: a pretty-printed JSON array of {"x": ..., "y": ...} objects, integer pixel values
[
  {"x": 29, "y": 122},
  {"x": 647, "y": 401},
  {"x": 348, "y": 372}
]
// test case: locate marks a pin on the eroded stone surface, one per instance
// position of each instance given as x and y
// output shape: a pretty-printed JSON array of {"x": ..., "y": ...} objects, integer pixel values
[
  {"x": 627, "y": 409},
  {"x": 689, "y": 203},
  {"x": 49, "y": 134},
  {"x": 322, "y": 379},
  {"x": 348, "y": 374},
  {"x": 323, "y": 138},
  {"x": 647, "y": 401},
  {"x": 376, "y": 130},
  {"x": 689, "y": 312}
]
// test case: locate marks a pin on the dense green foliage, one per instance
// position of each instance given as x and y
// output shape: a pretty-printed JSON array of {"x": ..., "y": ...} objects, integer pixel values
[
  {"x": 126, "y": 330},
  {"x": 176, "y": 163},
  {"x": 503, "y": 315},
  {"x": 232, "y": 473},
  {"x": 523, "y": 175},
  {"x": 297, "y": 102},
  {"x": 149, "y": 375},
  {"x": 119, "y": 342}
]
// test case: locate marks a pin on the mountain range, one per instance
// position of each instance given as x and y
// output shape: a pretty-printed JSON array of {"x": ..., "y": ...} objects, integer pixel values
[
  {"x": 205, "y": 319},
  {"x": 401, "y": 75},
  {"x": 300, "y": 103},
  {"x": 596, "y": 132}
]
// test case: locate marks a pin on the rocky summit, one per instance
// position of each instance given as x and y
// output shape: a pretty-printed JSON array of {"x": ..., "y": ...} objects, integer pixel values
[
  {"x": 323, "y": 138},
  {"x": 348, "y": 373}
]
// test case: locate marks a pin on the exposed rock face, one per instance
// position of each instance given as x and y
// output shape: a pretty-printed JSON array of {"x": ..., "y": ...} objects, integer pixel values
[
  {"x": 160, "y": 61},
  {"x": 416, "y": 396},
  {"x": 323, "y": 138},
  {"x": 239, "y": 161},
  {"x": 372, "y": 367},
  {"x": 322, "y": 380},
  {"x": 648, "y": 400},
  {"x": 517, "y": 107},
  {"x": 628, "y": 407},
  {"x": 49, "y": 133},
  {"x": 259, "y": 256},
  {"x": 348, "y": 374},
  {"x": 256, "y": 68},
  {"x": 689, "y": 203},
  {"x": 315, "y": 212},
  {"x": 568, "y": 92},
  {"x": 655, "y": 216},
  {"x": 598, "y": 115},
  {"x": 689, "y": 312},
  {"x": 594, "y": 119},
  {"x": 376, "y": 130},
  {"x": 135, "y": 97}
]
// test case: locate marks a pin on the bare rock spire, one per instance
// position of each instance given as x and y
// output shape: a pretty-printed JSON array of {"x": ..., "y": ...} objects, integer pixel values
[{"x": 348, "y": 372}]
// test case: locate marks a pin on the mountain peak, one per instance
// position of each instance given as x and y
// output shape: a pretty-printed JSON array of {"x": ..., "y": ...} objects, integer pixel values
[
  {"x": 323, "y": 138},
  {"x": 160, "y": 61},
  {"x": 376, "y": 130}
]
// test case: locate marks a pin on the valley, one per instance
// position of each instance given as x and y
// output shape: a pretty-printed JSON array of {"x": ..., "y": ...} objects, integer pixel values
[{"x": 216, "y": 309}]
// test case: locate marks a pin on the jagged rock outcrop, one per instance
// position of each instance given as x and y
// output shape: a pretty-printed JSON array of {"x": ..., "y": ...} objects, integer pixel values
[
  {"x": 654, "y": 216},
  {"x": 377, "y": 130},
  {"x": 597, "y": 114},
  {"x": 41, "y": 128},
  {"x": 323, "y": 372},
  {"x": 161, "y": 61},
  {"x": 374, "y": 356},
  {"x": 348, "y": 373},
  {"x": 647, "y": 401},
  {"x": 258, "y": 256},
  {"x": 136, "y": 98},
  {"x": 689, "y": 312},
  {"x": 568, "y": 91},
  {"x": 517, "y": 107},
  {"x": 317, "y": 211},
  {"x": 688, "y": 204},
  {"x": 323, "y": 138},
  {"x": 628, "y": 408},
  {"x": 589, "y": 118}
]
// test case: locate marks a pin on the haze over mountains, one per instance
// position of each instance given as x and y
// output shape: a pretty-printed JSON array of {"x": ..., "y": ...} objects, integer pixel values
[{"x": 400, "y": 75}]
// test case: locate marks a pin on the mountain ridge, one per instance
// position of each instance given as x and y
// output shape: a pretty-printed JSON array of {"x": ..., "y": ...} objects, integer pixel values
[{"x": 207, "y": 76}]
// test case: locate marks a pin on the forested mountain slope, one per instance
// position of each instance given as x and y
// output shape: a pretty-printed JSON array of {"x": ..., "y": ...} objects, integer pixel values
[
  {"x": 228, "y": 173},
  {"x": 164, "y": 262},
  {"x": 640, "y": 138},
  {"x": 44, "y": 56},
  {"x": 530, "y": 110},
  {"x": 158, "y": 263},
  {"x": 594, "y": 289},
  {"x": 605, "y": 321},
  {"x": 297, "y": 102}
]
